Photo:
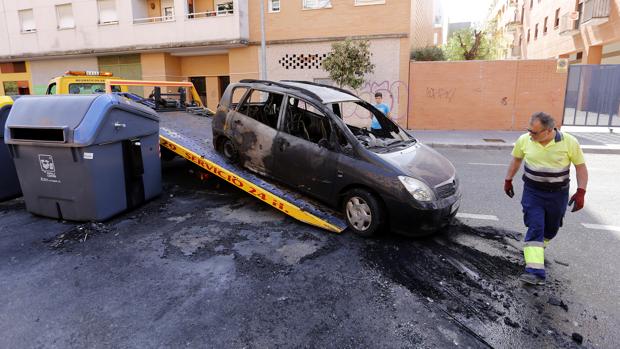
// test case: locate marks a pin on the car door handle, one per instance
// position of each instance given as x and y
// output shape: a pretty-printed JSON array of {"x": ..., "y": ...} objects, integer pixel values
[{"x": 339, "y": 174}]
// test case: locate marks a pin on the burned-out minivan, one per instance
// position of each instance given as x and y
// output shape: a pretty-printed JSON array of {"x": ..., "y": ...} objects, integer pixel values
[{"x": 318, "y": 140}]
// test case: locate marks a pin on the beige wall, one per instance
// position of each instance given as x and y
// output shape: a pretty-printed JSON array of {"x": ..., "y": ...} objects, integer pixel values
[
  {"x": 483, "y": 95},
  {"x": 44, "y": 70},
  {"x": 243, "y": 63},
  {"x": 421, "y": 23},
  {"x": 343, "y": 19}
]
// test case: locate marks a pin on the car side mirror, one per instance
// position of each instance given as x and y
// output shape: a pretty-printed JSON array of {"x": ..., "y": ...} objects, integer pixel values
[{"x": 324, "y": 143}]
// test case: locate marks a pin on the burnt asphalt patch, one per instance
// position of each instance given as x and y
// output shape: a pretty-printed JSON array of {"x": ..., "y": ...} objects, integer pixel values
[{"x": 205, "y": 265}]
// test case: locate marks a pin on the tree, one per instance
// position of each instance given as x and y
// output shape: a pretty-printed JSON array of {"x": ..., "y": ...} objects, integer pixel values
[
  {"x": 468, "y": 44},
  {"x": 429, "y": 53},
  {"x": 348, "y": 62}
]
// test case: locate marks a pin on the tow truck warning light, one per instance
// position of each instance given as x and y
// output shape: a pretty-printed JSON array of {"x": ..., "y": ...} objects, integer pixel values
[{"x": 87, "y": 73}]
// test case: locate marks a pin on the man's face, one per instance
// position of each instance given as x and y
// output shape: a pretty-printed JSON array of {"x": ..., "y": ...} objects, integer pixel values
[
  {"x": 378, "y": 99},
  {"x": 538, "y": 132}
]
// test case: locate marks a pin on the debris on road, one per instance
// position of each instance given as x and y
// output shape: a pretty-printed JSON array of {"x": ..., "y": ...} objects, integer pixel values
[
  {"x": 79, "y": 233},
  {"x": 557, "y": 302},
  {"x": 577, "y": 338},
  {"x": 508, "y": 321}
]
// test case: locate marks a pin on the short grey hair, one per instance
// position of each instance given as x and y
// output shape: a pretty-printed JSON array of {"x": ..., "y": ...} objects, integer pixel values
[{"x": 545, "y": 120}]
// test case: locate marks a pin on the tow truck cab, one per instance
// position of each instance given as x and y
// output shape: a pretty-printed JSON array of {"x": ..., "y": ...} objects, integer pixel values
[{"x": 81, "y": 82}]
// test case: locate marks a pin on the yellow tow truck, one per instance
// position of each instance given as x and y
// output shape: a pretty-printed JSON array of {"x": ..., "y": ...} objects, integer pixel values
[{"x": 81, "y": 82}]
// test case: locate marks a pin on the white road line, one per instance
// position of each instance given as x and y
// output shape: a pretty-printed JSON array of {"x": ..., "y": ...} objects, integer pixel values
[
  {"x": 485, "y": 164},
  {"x": 601, "y": 227},
  {"x": 477, "y": 216}
]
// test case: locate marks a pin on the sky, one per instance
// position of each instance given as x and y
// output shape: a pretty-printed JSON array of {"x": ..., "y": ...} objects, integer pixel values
[{"x": 466, "y": 10}]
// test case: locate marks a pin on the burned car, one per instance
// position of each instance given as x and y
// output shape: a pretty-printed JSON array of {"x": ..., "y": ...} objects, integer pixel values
[{"x": 318, "y": 140}]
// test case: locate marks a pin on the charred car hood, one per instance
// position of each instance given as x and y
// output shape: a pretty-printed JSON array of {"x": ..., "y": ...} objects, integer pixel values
[{"x": 421, "y": 162}]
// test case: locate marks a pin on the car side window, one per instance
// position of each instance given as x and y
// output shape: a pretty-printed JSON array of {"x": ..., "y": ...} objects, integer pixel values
[
  {"x": 263, "y": 107},
  {"x": 236, "y": 96},
  {"x": 303, "y": 120},
  {"x": 51, "y": 89}
]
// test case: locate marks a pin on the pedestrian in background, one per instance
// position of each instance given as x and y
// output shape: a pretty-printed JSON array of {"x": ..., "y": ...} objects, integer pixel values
[
  {"x": 384, "y": 108},
  {"x": 548, "y": 154}
]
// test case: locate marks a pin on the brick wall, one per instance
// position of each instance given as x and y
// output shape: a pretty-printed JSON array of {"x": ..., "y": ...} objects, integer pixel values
[{"x": 483, "y": 95}]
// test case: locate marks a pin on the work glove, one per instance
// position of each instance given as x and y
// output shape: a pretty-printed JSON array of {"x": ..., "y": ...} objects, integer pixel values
[
  {"x": 508, "y": 189},
  {"x": 578, "y": 199}
]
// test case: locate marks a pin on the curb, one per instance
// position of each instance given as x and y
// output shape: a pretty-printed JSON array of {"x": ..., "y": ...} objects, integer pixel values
[{"x": 588, "y": 149}]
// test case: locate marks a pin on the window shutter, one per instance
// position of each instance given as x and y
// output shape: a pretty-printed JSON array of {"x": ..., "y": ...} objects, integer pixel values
[
  {"x": 107, "y": 11},
  {"x": 65, "y": 16},
  {"x": 27, "y": 20}
]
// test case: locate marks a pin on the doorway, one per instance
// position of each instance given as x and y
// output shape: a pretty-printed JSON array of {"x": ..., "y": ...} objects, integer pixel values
[{"x": 200, "y": 84}]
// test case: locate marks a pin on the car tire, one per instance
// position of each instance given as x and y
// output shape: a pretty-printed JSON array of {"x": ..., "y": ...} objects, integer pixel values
[
  {"x": 229, "y": 150},
  {"x": 363, "y": 212}
]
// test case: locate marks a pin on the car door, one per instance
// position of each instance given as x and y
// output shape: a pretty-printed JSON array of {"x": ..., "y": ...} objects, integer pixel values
[
  {"x": 303, "y": 155},
  {"x": 253, "y": 128}
]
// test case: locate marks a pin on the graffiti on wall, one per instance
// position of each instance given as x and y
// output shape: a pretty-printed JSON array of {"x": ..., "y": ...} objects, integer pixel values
[
  {"x": 395, "y": 95},
  {"x": 444, "y": 94}
]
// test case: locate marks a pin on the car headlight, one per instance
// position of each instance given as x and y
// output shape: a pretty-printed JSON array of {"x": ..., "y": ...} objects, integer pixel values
[{"x": 418, "y": 189}]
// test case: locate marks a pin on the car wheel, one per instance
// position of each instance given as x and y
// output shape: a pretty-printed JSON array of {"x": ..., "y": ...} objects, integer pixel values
[
  {"x": 229, "y": 150},
  {"x": 363, "y": 212}
]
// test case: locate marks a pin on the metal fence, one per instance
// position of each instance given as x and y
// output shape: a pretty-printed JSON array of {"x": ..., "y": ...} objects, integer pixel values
[{"x": 593, "y": 96}]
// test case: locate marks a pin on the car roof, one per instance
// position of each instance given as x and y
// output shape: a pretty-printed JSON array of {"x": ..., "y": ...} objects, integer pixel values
[{"x": 324, "y": 93}]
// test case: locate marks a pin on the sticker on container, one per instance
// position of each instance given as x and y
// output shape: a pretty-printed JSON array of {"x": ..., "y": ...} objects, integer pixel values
[{"x": 89, "y": 156}]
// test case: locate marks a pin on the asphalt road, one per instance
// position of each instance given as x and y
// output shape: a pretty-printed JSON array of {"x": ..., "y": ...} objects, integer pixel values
[{"x": 205, "y": 265}]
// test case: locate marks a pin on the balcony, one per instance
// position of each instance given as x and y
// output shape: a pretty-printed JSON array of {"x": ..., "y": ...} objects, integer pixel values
[
  {"x": 153, "y": 11},
  {"x": 208, "y": 8},
  {"x": 569, "y": 25},
  {"x": 596, "y": 12}
]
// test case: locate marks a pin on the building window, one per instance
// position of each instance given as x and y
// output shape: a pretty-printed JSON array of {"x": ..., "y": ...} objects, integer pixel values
[
  {"x": 556, "y": 22},
  {"x": 274, "y": 5},
  {"x": 13, "y": 67},
  {"x": 107, "y": 11},
  {"x": 545, "y": 25},
  {"x": 369, "y": 2},
  {"x": 26, "y": 20},
  {"x": 536, "y": 32},
  {"x": 579, "y": 55},
  {"x": 168, "y": 13},
  {"x": 528, "y": 35},
  {"x": 531, "y": 3},
  {"x": 64, "y": 16},
  {"x": 316, "y": 4},
  {"x": 522, "y": 13},
  {"x": 15, "y": 88}
]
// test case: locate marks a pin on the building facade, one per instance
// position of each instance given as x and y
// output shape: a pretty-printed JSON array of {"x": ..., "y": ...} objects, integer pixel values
[
  {"x": 584, "y": 31},
  {"x": 208, "y": 42}
]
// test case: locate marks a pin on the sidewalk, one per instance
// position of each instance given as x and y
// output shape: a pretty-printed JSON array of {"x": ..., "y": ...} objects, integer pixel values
[{"x": 592, "y": 140}]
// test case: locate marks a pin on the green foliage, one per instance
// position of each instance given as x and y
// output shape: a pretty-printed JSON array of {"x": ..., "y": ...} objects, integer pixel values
[
  {"x": 429, "y": 53},
  {"x": 469, "y": 44},
  {"x": 348, "y": 62}
]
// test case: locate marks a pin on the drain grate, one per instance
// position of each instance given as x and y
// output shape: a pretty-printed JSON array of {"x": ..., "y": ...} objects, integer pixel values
[{"x": 494, "y": 140}]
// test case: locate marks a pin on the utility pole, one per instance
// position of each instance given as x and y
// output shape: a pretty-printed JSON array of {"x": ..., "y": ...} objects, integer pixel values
[{"x": 263, "y": 49}]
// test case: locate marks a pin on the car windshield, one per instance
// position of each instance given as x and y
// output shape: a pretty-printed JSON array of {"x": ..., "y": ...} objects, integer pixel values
[
  {"x": 82, "y": 88},
  {"x": 372, "y": 129}
]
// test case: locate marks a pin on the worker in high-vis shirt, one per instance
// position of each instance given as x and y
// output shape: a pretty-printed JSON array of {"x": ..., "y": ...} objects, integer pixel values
[{"x": 548, "y": 154}]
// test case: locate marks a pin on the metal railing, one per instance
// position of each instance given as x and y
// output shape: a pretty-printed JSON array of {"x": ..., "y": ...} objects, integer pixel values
[
  {"x": 596, "y": 10},
  {"x": 154, "y": 20},
  {"x": 568, "y": 26},
  {"x": 217, "y": 13}
]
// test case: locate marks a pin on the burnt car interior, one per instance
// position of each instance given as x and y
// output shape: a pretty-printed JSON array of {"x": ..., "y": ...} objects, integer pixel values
[
  {"x": 263, "y": 107},
  {"x": 358, "y": 116},
  {"x": 306, "y": 122}
]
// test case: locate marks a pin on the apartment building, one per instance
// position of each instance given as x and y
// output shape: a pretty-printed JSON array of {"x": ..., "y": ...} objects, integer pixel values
[
  {"x": 585, "y": 31},
  {"x": 208, "y": 42}
]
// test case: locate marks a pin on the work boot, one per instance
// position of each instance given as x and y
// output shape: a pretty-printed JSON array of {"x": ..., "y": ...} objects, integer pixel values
[{"x": 532, "y": 279}]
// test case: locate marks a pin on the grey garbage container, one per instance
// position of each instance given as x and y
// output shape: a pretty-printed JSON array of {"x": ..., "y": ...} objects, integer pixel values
[
  {"x": 9, "y": 184},
  {"x": 85, "y": 157}
]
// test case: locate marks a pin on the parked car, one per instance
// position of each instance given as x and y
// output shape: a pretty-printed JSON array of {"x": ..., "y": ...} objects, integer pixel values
[{"x": 317, "y": 139}]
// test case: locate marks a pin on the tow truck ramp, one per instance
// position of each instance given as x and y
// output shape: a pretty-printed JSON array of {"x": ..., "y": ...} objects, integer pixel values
[{"x": 190, "y": 136}]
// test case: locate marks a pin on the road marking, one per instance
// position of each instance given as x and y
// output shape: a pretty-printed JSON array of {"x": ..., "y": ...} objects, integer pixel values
[
  {"x": 477, "y": 216},
  {"x": 486, "y": 164},
  {"x": 601, "y": 227}
]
